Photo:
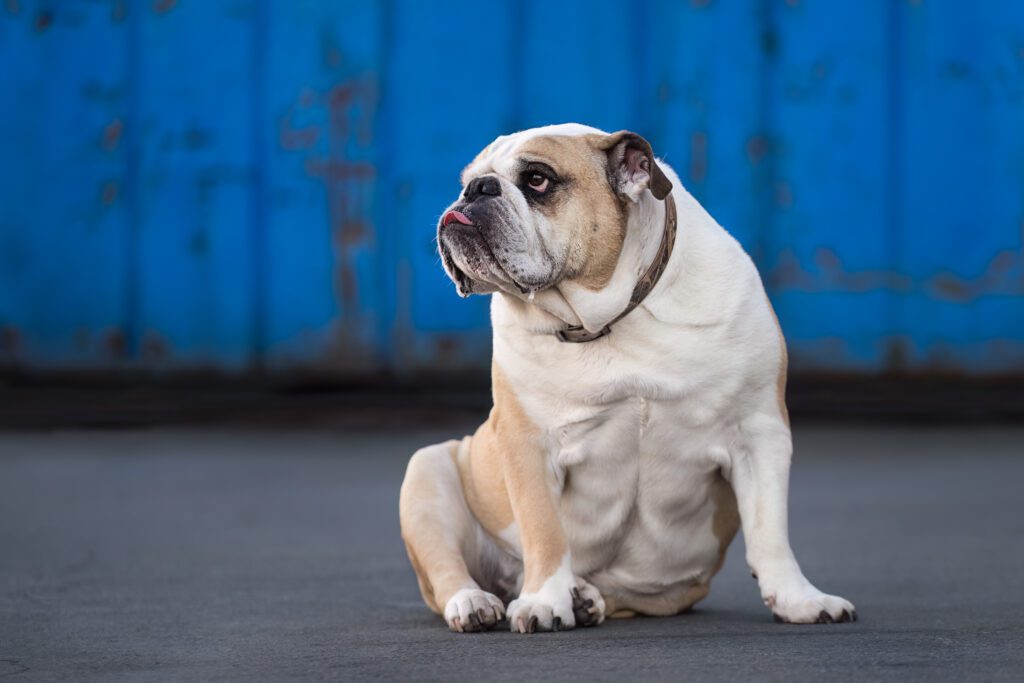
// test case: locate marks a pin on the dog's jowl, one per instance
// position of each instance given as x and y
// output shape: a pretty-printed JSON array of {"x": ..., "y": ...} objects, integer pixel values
[{"x": 639, "y": 415}]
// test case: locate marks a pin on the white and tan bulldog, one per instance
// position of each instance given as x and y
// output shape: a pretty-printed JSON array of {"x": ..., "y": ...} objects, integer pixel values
[{"x": 639, "y": 414}]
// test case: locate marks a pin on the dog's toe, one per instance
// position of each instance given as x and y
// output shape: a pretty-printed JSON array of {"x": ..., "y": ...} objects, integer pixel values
[
  {"x": 587, "y": 604},
  {"x": 472, "y": 610}
]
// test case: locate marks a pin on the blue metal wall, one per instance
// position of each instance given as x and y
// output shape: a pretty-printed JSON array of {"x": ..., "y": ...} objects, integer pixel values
[{"x": 240, "y": 183}]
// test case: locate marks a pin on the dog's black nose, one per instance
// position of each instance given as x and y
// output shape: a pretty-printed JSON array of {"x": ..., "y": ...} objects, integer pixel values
[{"x": 486, "y": 185}]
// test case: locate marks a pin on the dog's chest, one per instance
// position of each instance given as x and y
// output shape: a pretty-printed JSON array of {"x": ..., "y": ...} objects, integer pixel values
[{"x": 633, "y": 481}]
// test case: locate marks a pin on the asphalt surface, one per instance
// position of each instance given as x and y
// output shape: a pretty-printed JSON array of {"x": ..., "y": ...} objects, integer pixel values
[{"x": 259, "y": 554}]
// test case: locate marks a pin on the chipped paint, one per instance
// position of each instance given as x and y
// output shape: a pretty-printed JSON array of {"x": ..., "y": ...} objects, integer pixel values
[
  {"x": 116, "y": 344},
  {"x": 112, "y": 134},
  {"x": 1002, "y": 276},
  {"x": 757, "y": 148},
  {"x": 164, "y": 6},
  {"x": 698, "y": 156},
  {"x": 829, "y": 274},
  {"x": 44, "y": 20},
  {"x": 108, "y": 194},
  {"x": 324, "y": 126}
]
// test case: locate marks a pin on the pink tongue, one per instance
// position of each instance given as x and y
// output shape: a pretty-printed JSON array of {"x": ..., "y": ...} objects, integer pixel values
[{"x": 455, "y": 217}]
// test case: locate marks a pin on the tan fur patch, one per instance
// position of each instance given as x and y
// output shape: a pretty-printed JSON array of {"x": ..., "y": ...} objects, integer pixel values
[
  {"x": 483, "y": 479},
  {"x": 440, "y": 568},
  {"x": 525, "y": 476},
  {"x": 422, "y": 579},
  {"x": 590, "y": 211}
]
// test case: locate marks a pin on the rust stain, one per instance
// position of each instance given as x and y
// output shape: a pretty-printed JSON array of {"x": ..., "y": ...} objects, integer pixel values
[
  {"x": 757, "y": 147},
  {"x": 339, "y": 100},
  {"x": 13, "y": 7},
  {"x": 109, "y": 192},
  {"x": 332, "y": 129},
  {"x": 116, "y": 343},
  {"x": 829, "y": 263},
  {"x": 698, "y": 156},
  {"x": 347, "y": 285},
  {"x": 119, "y": 11},
  {"x": 789, "y": 274},
  {"x": 1003, "y": 276},
  {"x": 951, "y": 287},
  {"x": 195, "y": 138},
  {"x": 340, "y": 170},
  {"x": 44, "y": 20},
  {"x": 112, "y": 134},
  {"x": 783, "y": 195},
  {"x": 664, "y": 92},
  {"x": 832, "y": 275},
  {"x": 700, "y": 4},
  {"x": 353, "y": 232},
  {"x": 163, "y": 6},
  {"x": 297, "y": 138},
  {"x": 447, "y": 348}
]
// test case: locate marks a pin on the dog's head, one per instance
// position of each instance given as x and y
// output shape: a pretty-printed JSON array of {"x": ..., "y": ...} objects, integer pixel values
[{"x": 545, "y": 206}]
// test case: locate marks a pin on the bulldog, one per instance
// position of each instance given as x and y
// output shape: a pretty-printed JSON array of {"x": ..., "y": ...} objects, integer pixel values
[{"x": 639, "y": 416}]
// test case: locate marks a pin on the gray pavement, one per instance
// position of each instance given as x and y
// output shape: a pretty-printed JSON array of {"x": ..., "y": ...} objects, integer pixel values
[{"x": 248, "y": 554}]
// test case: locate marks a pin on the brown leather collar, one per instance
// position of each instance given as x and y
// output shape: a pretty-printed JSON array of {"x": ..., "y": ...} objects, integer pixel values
[{"x": 577, "y": 334}]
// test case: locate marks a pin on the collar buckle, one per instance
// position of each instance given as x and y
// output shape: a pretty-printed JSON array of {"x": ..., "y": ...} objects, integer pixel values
[{"x": 577, "y": 334}]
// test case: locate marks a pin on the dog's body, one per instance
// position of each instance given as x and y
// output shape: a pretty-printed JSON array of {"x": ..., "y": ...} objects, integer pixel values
[{"x": 611, "y": 475}]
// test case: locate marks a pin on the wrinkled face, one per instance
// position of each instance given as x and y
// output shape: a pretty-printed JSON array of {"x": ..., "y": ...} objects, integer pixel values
[{"x": 544, "y": 206}]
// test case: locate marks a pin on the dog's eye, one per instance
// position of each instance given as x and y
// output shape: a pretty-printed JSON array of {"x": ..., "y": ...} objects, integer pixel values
[{"x": 537, "y": 182}]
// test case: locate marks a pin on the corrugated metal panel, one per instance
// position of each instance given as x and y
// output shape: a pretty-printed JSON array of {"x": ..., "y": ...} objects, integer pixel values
[
  {"x": 64, "y": 226},
  {"x": 830, "y": 79},
  {"x": 249, "y": 183}
]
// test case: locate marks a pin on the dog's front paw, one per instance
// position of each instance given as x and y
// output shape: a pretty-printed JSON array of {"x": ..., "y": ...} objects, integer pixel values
[
  {"x": 808, "y": 605},
  {"x": 472, "y": 609},
  {"x": 531, "y": 612}
]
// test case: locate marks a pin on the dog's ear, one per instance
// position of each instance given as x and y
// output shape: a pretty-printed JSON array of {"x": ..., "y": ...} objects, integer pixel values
[{"x": 632, "y": 167}]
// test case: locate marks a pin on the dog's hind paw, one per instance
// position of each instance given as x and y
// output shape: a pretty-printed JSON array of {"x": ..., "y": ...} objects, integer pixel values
[{"x": 587, "y": 604}]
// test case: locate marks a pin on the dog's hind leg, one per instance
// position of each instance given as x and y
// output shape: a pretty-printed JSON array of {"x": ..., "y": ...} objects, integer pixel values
[{"x": 441, "y": 534}]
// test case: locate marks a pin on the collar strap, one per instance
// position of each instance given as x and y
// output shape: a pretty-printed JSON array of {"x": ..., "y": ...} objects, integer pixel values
[{"x": 577, "y": 334}]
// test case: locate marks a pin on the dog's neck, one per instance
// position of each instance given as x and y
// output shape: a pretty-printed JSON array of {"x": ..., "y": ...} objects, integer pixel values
[{"x": 574, "y": 305}]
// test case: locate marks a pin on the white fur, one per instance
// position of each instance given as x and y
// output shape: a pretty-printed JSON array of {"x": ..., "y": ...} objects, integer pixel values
[{"x": 552, "y": 600}]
